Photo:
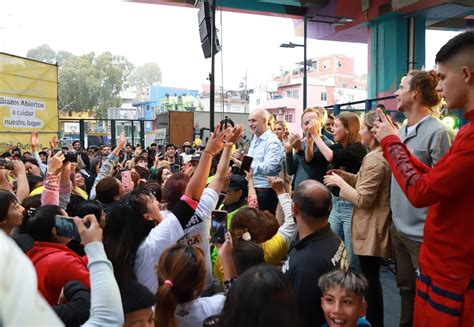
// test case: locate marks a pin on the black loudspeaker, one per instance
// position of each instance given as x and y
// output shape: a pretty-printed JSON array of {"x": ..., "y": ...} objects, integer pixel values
[{"x": 205, "y": 27}]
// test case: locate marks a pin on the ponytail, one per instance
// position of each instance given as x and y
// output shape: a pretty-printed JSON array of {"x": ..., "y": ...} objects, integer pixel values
[
  {"x": 166, "y": 303},
  {"x": 181, "y": 272}
]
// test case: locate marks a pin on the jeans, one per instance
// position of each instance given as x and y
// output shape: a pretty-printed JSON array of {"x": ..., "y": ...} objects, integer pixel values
[
  {"x": 406, "y": 259},
  {"x": 370, "y": 267},
  {"x": 340, "y": 219}
]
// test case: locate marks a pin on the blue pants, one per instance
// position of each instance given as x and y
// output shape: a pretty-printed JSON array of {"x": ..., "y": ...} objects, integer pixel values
[{"x": 341, "y": 224}]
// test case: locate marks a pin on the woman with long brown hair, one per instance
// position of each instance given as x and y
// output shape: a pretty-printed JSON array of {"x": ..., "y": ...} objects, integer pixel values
[{"x": 346, "y": 154}]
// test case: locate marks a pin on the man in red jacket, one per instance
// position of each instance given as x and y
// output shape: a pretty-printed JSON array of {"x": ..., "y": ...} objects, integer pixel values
[{"x": 445, "y": 284}]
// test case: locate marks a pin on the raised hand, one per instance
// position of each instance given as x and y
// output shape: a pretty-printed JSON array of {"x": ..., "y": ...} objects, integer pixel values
[
  {"x": 287, "y": 145},
  {"x": 122, "y": 140},
  {"x": 34, "y": 140},
  {"x": 91, "y": 234},
  {"x": 18, "y": 167},
  {"x": 295, "y": 141},
  {"x": 53, "y": 143},
  {"x": 225, "y": 250},
  {"x": 277, "y": 185},
  {"x": 218, "y": 141},
  {"x": 314, "y": 128},
  {"x": 383, "y": 127},
  {"x": 55, "y": 162},
  {"x": 235, "y": 134}
]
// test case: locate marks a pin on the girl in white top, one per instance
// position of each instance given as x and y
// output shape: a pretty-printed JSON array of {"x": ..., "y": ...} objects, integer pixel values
[{"x": 181, "y": 274}]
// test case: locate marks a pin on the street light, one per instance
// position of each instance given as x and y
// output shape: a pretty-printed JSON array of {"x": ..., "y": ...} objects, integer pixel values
[{"x": 292, "y": 45}]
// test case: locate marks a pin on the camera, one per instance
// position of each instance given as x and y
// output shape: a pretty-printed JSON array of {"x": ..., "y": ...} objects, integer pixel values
[
  {"x": 69, "y": 156},
  {"x": 6, "y": 164}
]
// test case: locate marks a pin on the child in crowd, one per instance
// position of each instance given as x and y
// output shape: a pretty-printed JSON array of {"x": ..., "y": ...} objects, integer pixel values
[{"x": 343, "y": 299}]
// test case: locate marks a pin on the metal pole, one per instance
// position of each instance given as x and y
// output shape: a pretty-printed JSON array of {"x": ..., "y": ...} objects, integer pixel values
[
  {"x": 305, "y": 80},
  {"x": 213, "y": 63}
]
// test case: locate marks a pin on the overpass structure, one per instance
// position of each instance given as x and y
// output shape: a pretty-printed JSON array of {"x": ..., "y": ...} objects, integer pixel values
[{"x": 393, "y": 29}]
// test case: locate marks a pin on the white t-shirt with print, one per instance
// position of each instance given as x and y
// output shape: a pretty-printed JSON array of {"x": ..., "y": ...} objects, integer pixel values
[
  {"x": 193, "y": 313},
  {"x": 166, "y": 234},
  {"x": 197, "y": 231}
]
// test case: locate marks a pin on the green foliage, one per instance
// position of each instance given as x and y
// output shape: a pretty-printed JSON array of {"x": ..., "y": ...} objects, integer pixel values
[
  {"x": 62, "y": 56},
  {"x": 91, "y": 82},
  {"x": 42, "y": 53},
  {"x": 144, "y": 76}
]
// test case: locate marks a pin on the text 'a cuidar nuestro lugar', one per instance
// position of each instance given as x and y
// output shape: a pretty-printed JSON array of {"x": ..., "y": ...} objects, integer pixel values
[{"x": 22, "y": 113}]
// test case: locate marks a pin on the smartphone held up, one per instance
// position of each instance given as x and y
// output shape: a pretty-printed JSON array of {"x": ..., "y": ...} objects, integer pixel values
[{"x": 218, "y": 226}]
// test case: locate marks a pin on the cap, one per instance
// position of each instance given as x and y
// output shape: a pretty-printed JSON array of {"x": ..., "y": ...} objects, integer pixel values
[{"x": 238, "y": 182}]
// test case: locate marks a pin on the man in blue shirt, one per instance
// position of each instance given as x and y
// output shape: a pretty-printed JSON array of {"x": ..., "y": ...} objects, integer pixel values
[{"x": 267, "y": 152}]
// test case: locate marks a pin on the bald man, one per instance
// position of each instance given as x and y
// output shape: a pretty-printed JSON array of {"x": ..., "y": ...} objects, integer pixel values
[
  {"x": 267, "y": 152},
  {"x": 318, "y": 251}
]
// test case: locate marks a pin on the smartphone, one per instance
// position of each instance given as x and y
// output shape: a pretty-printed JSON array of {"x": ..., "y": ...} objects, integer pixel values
[
  {"x": 66, "y": 227},
  {"x": 246, "y": 164},
  {"x": 127, "y": 179},
  {"x": 218, "y": 226}
]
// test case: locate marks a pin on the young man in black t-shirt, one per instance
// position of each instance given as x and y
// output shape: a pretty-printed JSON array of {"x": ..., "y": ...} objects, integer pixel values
[{"x": 318, "y": 250}]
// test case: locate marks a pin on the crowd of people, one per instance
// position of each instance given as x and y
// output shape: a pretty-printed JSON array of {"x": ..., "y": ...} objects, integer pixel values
[{"x": 307, "y": 223}]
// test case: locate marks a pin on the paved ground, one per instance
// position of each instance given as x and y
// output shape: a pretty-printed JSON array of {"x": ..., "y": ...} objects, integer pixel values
[{"x": 391, "y": 297}]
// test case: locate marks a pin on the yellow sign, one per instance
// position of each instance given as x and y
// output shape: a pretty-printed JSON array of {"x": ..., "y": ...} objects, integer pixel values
[
  {"x": 28, "y": 95},
  {"x": 22, "y": 141}
]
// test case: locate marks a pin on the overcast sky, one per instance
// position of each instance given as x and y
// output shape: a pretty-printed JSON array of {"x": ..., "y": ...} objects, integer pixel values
[{"x": 169, "y": 36}]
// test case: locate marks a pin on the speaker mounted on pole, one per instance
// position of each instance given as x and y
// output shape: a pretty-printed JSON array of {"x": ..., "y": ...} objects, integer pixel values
[{"x": 205, "y": 30}]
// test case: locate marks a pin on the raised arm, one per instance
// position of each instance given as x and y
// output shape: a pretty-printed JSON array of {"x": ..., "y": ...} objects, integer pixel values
[
  {"x": 65, "y": 185},
  {"x": 34, "y": 152},
  {"x": 293, "y": 142},
  {"x": 288, "y": 229},
  {"x": 315, "y": 130},
  {"x": 50, "y": 194},
  {"x": 214, "y": 145},
  {"x": 223, "y": 166},
  {"x": 22, "y": 187},
  {"x": 108, "y": 166},
  {"x": 252, "y": 199},
  {"x": 106, "y": 304}
]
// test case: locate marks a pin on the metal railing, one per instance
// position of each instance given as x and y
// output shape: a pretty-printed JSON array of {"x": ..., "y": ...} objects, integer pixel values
[
  {"x": 337, "y": 108},
  {"x": 113, "y": 134}
]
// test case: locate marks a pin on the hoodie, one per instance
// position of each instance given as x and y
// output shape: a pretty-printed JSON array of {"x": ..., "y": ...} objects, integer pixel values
[{"x": 56, "y": 265}]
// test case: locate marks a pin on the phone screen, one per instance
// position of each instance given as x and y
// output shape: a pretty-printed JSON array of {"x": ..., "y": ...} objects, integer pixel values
[
  {"x": 246, "y": 164},
  {"x": 218, "y": 226},
  {"x": 66, "y": 227},
  {"x": 127, "y": 179}
]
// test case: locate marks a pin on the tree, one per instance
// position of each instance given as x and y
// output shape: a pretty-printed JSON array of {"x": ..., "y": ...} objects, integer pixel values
[
  {"x": 42, "y": 53},
  {"x": 145, "y": 75},
  {"x": 92, "y": 82},
  {"x": 62, "y": 56}
]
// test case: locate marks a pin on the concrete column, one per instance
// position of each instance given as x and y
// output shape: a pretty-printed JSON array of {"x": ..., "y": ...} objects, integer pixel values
[{"x": 396, "y": 45}]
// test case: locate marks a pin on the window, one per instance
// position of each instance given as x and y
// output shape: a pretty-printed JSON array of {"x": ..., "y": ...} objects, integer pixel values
[
  {"x": 326, "y": 64},
  {"x": 258, "y": 102},
  {"x": 339, "y": 63},
  {"x": 294, "y": 93},
  {"x": 324, "y": 96},
  {"x": 289, "y": 118}
]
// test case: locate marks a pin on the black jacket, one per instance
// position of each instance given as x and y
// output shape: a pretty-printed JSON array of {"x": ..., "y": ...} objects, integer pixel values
[{"x": 76, "y": 312}]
